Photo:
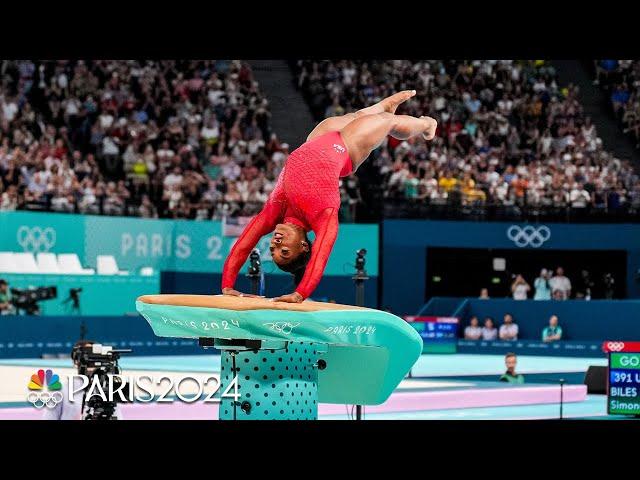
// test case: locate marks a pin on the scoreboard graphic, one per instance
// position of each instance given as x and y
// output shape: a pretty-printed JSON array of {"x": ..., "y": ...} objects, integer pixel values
[
  {"x": 439, "y": 334},
  {"x": 623, "y": 390}
]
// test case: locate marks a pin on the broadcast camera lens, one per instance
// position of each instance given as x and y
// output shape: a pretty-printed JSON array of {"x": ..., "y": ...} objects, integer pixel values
[{"x": 360, "y": 260}]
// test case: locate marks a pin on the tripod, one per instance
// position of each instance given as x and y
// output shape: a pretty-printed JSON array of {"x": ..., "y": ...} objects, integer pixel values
[
  {"x": 74, "y": 301},
  {"x": 359, "y": 278}
]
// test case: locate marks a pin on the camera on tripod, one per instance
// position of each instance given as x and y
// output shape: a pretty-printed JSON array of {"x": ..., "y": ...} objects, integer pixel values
[
  {"x": 101, "y": 361},
  {"x": 74, "y": 299},
  {"x": 254, "y": 263},
  {"x": 360, "y": 261},
  {"x": 26, "y": 300}
]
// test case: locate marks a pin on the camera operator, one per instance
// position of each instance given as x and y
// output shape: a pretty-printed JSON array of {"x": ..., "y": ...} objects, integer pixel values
[
  {"x": 585, "y": 285},
  {"x": 609, "y": 286},
  {"x": 6, "y": 307},
  {"x": 520, "y": 288},
  {"x": 542, "y": 287},
  {"x": 66, "y": 409},
  {"x": 560, "y": 285},
  {"x": 25, "y": 301}
]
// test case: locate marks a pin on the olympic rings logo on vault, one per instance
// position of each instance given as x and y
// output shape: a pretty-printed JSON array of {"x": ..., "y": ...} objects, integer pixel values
[
  {"x": 37, "y": 383},
  {"x": 36, "y": 239},
  {"x": 528, "y": 236}
]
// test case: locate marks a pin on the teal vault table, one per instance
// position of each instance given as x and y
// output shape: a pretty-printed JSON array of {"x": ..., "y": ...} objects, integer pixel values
[{"x": 288, "y": 357}]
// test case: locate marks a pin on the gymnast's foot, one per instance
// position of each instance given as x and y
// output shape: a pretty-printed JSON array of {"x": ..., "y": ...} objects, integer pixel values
[
  {"x": 390, "y": 104},
  {"x": 429, "y": 128}
]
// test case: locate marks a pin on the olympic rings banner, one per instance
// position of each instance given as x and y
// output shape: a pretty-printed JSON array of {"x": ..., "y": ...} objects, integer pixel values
[{"x": 165, "y": 245}]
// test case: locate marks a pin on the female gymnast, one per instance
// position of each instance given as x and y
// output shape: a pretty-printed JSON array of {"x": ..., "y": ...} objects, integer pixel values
[{"x": 306, "y": 196}]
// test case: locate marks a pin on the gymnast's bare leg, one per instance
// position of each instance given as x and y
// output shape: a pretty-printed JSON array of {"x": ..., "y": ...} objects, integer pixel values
[
  {"x": 336, "y": 124},
  {"x": 366, "y": 133}
]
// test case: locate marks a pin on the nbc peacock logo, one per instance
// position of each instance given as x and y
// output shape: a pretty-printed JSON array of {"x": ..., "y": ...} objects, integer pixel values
[{"x": 44, "y": 389}]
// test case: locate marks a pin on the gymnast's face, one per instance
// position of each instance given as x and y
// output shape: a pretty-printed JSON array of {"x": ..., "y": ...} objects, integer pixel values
[{"x": 287, "y": 243}]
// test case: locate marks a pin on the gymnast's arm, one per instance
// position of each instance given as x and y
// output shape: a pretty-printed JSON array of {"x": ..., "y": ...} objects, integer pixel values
[
  {"x": 326, "y": 228},
  {"x": 262, "y": 224}
]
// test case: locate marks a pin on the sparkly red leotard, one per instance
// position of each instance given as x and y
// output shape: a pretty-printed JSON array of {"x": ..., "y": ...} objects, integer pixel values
[{"x": 306, "y": 194}]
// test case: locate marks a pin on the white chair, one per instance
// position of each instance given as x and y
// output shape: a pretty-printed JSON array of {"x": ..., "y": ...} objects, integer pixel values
[
  {"x": 70, "y": 263},
  {"x": 107, "y": 265},
  {"x": 26, "y": 262},
  {"x": 146, "y": 271},
  {"x": 7, "y": 263},
  {"x": 47, "y": 262}
]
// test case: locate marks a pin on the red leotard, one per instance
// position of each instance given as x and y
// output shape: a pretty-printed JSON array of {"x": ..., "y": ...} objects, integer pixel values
[{"x": 306, "y": 194}]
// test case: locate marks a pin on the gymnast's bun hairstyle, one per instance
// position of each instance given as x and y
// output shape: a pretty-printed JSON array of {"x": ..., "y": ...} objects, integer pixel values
[{"x": 298, "y": 266}]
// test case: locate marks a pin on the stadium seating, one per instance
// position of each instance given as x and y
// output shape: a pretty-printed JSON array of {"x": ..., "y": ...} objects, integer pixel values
[
  {"x": 47, "y": 262},
  {"x": 25, "y": 262},
  {"x": 7, "y": 263},
  {"x": 70, "y": 263},
  {"x": 107, "y": 265}
]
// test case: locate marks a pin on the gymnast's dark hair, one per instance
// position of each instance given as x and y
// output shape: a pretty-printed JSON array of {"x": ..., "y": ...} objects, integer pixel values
[{"x": 297, "y": 267}]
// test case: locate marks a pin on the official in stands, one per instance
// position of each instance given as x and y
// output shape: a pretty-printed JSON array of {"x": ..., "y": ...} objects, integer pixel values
[
  {"x": 553, "y": 332},
  {"x": 509, "y": 329},
  {"x": 510, "y": 376},
  {"x": 473, "y": 330},
  {"x": 489, "y": 331}
]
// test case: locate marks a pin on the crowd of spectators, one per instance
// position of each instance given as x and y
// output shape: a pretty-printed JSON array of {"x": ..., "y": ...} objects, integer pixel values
[
  {"x": 621, "y": 80},
  {"x": 555, "y": 285},
  {"x": 177, "y": 139},
  {"x": 509, "y": 135},
  {"x": 192, "y": 139},
  {"x": 509, "y": 330}
]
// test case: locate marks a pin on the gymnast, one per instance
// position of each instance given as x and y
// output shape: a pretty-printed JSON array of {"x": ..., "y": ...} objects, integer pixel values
[{"x": 306, "y": 196}]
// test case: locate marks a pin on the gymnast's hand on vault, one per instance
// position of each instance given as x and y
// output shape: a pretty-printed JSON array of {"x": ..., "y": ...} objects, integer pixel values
[
  {"x": 294, "y": 297},
  {"x": 235, "y": 293}
]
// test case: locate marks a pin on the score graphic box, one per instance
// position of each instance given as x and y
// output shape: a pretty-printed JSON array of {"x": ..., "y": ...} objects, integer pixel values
[{"x": 623, "y": 389}]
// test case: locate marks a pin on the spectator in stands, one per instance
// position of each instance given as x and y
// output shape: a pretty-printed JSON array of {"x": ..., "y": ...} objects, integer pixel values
[
  {"x": 509, "y": 329},
  {"x": 5, "y": 298},
  {"x": 584, "y": 285},
  {"x": 511, "y": 136},
  {"x": 473, "y": 330},
  {"x": 9, "y": 198},
  {"x": 510, "y": 376},
  {"x": 520, "y": 288},
  {"x": 560, "y": 285},
  {"x": 484, "y": 293},
  {"x": 553, "y": 332},
  {"x": 604, "y": 68},
  {"x": 147, "y": 126},
  {"x": 621, "y": 79},
  {"x": 489, "y": 331},
  {"x": 542, "y": 287},
  {"x": 147, "y": 209}
]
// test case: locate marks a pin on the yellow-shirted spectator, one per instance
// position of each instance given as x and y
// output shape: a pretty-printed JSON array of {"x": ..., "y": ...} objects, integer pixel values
[
  {"x": 468, "y": 185},
  {"x": 448, "y": 182},
  {"x": 469, "y": 190}
]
